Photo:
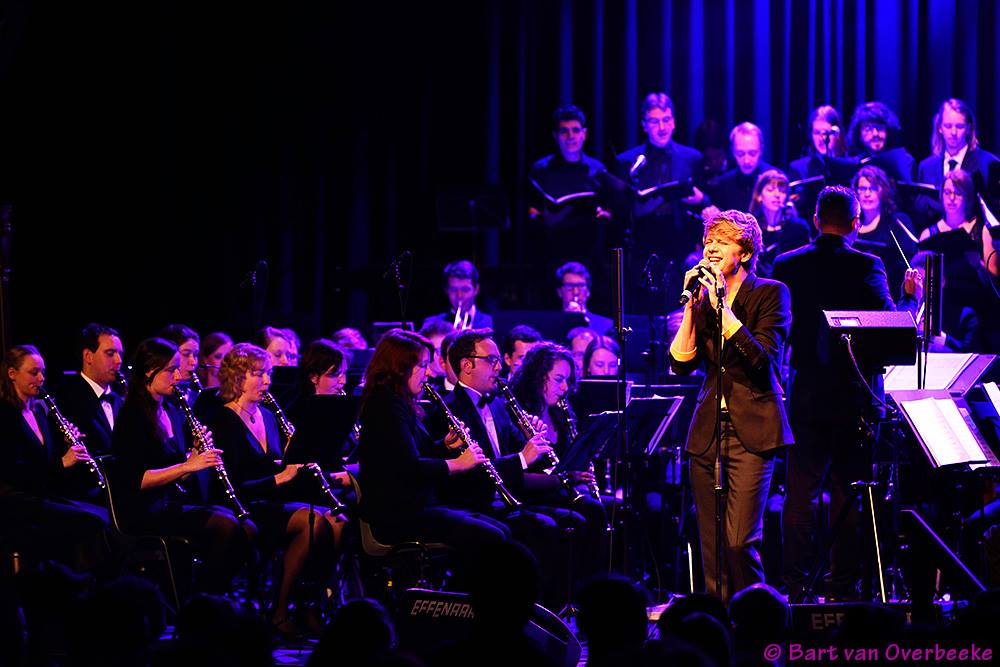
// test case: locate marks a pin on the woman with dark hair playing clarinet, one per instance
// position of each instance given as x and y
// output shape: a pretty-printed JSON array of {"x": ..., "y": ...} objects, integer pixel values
[{"x": 160, "y": 484}]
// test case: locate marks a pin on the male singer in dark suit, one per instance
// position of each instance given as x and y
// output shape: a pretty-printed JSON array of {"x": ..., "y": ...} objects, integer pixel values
[
  {"x": 827, "y": 399},
  {"x": 756, "y": 316},
  {"x": 954, "y": 145},
  {"x": 659, "y": 225},
  {"x": 87, "y": 398},
  {"x": 461, "y": 284}
]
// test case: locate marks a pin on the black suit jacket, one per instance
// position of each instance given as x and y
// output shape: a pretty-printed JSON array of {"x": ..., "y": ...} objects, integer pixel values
[
  {"x": 828, "y": 274},
  {"x": 137, "y": 449},
  {"x": 475, "y": 489},
  {"x": 29, "y": 466},
  {"x": 397, "y": 482},
  {"x": 931, "y": 170},
  {"x": 79, "y": 404},
  {"x": 751, "y": 364},
  {"x": 734, "y": 189},
  {"x": 660, "y": 225}
]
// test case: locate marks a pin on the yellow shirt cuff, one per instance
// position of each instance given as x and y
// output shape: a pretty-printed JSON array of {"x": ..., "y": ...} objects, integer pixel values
[
  {"x": 680, "y": 355},
  {"x": 731, "y": 329}
]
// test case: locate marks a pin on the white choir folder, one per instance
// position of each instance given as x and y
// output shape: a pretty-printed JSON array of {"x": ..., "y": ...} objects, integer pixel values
[{"x": 945, "y": 429}]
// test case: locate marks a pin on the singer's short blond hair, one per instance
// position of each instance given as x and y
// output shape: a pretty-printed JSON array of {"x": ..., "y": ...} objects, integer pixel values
[{"x": 744, "y": 229}]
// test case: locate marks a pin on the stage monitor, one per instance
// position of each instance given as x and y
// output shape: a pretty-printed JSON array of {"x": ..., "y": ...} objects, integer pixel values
[{"x": 878, "y": 338}]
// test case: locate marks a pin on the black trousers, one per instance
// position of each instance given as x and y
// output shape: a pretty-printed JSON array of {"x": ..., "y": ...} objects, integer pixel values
[
  {"x": 463, "y": 530},
  {"x": 823, "y": 449},
  {"x": 74, "y": 532},
  {"x": 747, "y": 479}
]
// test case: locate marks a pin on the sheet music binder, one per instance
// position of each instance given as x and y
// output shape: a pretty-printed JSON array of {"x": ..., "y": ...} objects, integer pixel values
[
  {"x": 559, "y": 201},
  {"x": 669, "y": 191}
]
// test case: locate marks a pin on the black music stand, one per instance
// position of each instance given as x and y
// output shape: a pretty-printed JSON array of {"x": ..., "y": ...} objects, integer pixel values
[
  {"x": 322, "y": 426},
  {"x": 589, "y": 445},
  {"x": 872, "y": 340}
]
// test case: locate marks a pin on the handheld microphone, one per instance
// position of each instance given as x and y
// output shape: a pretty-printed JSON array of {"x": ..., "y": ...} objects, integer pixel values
[
  {"x": 637, "y": 165},
  {"x": 692, "y": 284}
]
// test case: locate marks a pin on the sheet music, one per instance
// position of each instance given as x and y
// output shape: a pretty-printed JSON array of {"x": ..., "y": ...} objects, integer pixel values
[
  {"x": 993, "y": 393},
  {"x": 944, "y": 431},
  {"x": 942, "y": 370}
]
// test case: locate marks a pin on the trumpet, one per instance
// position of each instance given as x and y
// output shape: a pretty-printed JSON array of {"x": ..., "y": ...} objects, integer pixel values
[
  {"x": 463, "y": 434},
  {"x": 571, "y": 424},
  {"x": 287, "y": 429},
  {"x": 523, "y": 423},
  {"x": 67, "y": 430},
  {"x": 202, "y": 442}
]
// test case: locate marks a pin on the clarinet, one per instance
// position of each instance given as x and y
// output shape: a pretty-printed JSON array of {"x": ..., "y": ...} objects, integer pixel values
[
  {"x": 66, "y": 428},
  {"x": 463, "y": 434},
  {"x": 287, "y": 429},
  {"x": 520, "y": 418},
  {"x": 571, "y": 422},
  {"x": 202, "y": 442}
]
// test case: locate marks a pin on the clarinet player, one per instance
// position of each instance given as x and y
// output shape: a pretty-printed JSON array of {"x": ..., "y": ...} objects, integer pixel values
[{"x": 157, "y": 487}]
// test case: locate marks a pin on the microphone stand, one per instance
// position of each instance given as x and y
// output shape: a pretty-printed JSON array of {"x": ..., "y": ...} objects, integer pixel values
[
  {"x": 720, "y": 480},
  {"x": 652, "y": 287},
  {"x": 622, "y": 464},
  {"x": 395, "y": 274}
]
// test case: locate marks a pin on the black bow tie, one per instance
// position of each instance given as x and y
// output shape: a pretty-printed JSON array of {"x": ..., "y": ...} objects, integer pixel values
[
  {"x": 484, "y": 400},
  {"x": 107, "y": 397}
]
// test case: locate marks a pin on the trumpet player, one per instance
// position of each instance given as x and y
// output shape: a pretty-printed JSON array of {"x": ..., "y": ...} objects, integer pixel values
[
  {"x": 461, "y": 285},
  {"x": 159, "y": 483},
  {"x": 33, "y": 506}
]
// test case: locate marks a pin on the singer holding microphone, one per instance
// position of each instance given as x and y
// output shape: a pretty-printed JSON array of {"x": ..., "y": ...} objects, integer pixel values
[{"x": 756, "y": 316}]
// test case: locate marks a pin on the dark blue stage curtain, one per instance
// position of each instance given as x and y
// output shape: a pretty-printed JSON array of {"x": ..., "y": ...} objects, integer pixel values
[{"x": 319, "y": 136}]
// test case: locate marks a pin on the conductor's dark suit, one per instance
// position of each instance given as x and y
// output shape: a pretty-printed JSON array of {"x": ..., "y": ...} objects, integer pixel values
[
  {"x": 827, "y": 399},
  {"x": 754, "y": 424}
]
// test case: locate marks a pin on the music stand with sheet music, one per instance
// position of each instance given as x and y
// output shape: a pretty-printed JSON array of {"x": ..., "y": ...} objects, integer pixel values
[
  {"x": 649, "y": 420},
  {"x": 589, "y": 445},
  {"x": 596, "y": 395},
  {"x": 944, "y": 429},
  {"x": 955, "y": 372},
  {"x": 322, "y": 425}
]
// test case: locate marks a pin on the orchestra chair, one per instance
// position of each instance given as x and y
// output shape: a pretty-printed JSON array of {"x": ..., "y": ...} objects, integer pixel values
[{"x": 408, "y": 563}]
